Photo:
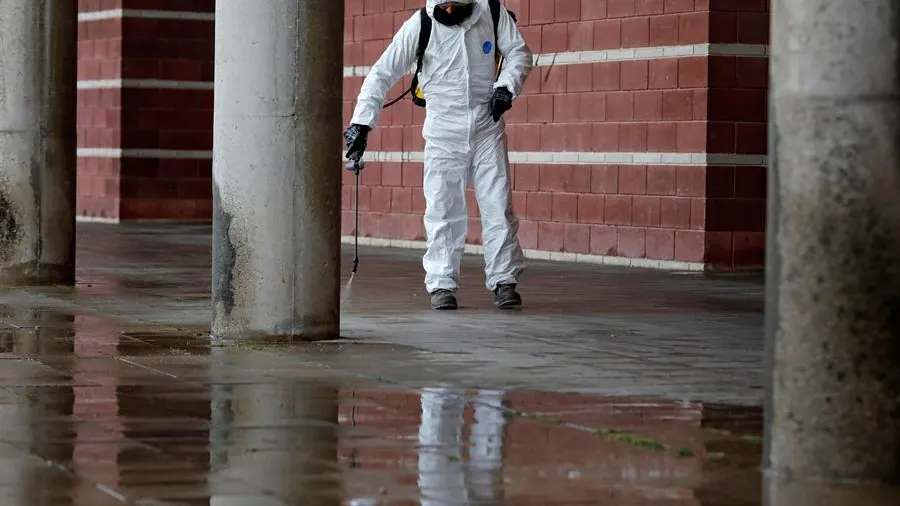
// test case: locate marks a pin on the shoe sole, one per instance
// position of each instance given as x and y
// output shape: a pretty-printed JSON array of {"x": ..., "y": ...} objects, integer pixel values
[
  {"x": 508, "y": 305},
  {"x": 446, "y": 306}
]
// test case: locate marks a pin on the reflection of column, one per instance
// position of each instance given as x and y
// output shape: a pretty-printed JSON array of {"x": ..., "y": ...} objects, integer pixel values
[
  {"x": 33, "y": 419},
  {"x": 279, "y": 438},
  {"x": 834, "y": 291},
  {"x": 220, "y": 423},
  {"x": 37, "y": 140},
  {"x": 445, "y": 475},
  {"x": 52, "y": 442},
  {"x": 277, "y": 168}
]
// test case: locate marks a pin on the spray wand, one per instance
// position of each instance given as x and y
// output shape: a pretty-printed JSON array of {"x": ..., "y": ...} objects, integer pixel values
[{"x": 356, "y": 165}]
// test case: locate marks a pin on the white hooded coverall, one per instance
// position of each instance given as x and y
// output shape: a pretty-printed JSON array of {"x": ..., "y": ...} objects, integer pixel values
[{"x": 462, "y": 141}]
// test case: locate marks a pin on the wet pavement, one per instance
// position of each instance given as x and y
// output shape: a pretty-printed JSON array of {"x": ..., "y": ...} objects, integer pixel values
[{"x": 613, "y": 386}]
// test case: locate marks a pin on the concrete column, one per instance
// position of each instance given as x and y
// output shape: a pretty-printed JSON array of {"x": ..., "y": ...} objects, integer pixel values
[
  {"x": 38, "y": 52},
  {"x": 833, "y": 433},
  {"x": 277, "y": 169}
]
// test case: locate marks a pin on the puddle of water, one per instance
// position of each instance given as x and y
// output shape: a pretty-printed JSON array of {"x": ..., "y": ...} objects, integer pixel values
[{"x": 300, "y": 441}]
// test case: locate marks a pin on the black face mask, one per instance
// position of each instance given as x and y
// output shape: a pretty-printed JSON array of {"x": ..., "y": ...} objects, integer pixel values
[{"x": 459, "y": 15}]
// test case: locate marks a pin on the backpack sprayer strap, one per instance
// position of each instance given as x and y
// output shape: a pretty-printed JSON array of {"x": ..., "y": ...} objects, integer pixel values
[{"x": 425, "y": 36}]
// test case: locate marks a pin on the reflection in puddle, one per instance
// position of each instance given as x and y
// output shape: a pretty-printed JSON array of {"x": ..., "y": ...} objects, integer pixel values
[
  {"x": 310, "y": 443},
  {"x": 100, "y": 415},
  {"x": 529, "y": 447},
  {"x": 446, "y": 472}
]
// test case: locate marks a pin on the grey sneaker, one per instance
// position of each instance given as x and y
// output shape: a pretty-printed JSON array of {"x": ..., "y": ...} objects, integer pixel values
[
  {"x": 506, "y": 297},
  {"x": 443, "y": 299}
]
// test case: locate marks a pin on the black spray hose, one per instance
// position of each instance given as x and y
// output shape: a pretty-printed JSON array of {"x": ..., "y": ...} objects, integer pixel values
[{"x": 356, "y": 166}]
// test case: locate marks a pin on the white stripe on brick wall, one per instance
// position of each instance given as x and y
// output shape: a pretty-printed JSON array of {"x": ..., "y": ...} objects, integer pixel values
[
  {"x": 145, "y": 14},
  {"x": 591, "y": 158},
  {"x": 96, "y": 219},
  {"x": 541, "y": 60},
  {"x": 517, "y": 157},
  {"x": 143, "y": 153},
  {"x": 114, "y": 221},
  {"x": 629, "y": 54},
  {"x": 554, "y": 256},
  {"x": 105, "y": 84}
]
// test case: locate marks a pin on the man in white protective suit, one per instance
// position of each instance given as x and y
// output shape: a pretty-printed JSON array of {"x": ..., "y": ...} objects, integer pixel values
[{"x": 465, "y": 138}]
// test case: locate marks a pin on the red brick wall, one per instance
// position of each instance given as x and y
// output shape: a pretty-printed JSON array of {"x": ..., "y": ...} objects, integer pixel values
[
  {"x": 677, "y": 143},
  {"x": 645, "y": 208},
  {"x": 155, "y": 116},
  {"x": 736, "y": 195}
]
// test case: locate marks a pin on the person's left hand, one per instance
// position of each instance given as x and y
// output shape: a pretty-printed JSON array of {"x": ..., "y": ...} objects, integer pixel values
[{"x": 501, "y": 102}]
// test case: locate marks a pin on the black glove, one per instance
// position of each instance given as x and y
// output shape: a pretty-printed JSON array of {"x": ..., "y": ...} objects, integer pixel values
[
  {"x": 356, "y": 137},
  {"x": 500, "y": 103}
]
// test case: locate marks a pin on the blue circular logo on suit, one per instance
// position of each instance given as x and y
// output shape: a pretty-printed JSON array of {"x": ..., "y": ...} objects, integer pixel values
[{"x": 487, "y": 47}]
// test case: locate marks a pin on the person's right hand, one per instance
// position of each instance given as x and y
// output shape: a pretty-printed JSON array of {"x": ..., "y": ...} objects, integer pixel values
[
  {"x": 501, "y": 102},
  {"x": 356, "y": 137}
]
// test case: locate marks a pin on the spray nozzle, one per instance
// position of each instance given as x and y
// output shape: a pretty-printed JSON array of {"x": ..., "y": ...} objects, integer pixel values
[{"x": 355, "y": 166}]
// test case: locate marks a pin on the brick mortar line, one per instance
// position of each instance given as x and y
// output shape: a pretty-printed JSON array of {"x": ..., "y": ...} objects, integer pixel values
[
  {"x": 624, "y": 55},
  {"x": 107, "y": 14},
  {"x": 553, "y": 256},
  {"x": 515, "y": 157},
  {"x": 541, "y": 60}
]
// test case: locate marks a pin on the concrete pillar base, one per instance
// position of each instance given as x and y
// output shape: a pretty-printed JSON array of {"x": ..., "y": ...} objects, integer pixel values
[
  {"x": 35, "y": 274},
  {"x": 785, "y": 492},
  {"x": 304, "y": 333}
]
